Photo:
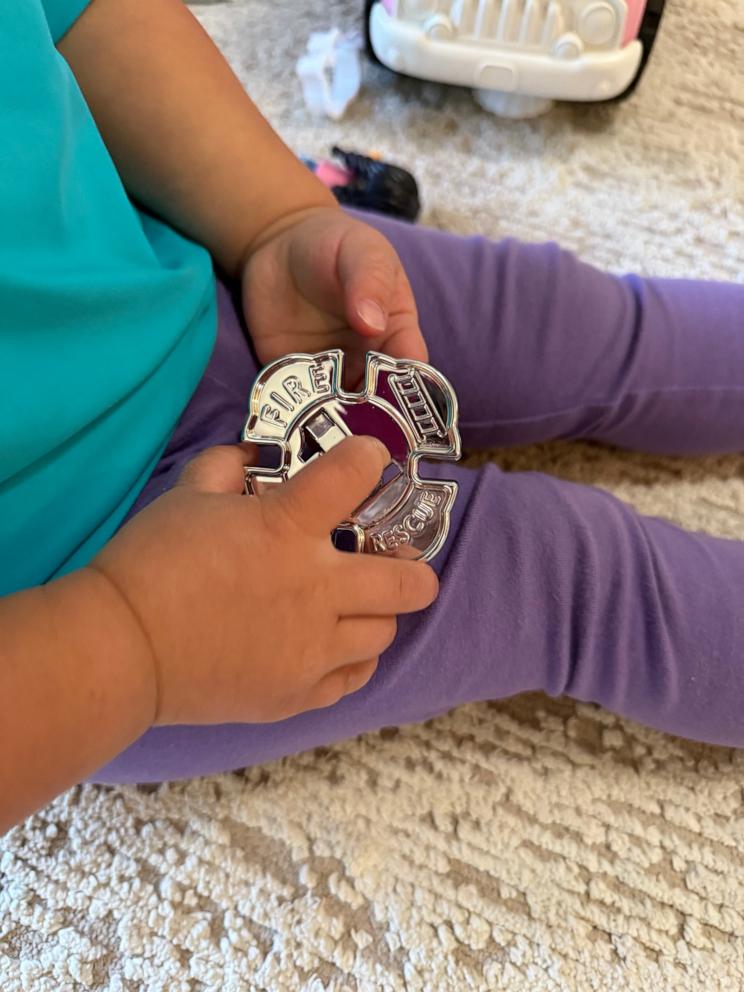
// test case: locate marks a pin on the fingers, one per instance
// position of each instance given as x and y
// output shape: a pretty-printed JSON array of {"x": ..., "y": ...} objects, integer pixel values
[
  {"x": 359, "y": 642},
  {"x": 329, "y": 489},
  {"x": 339, "y": 683},
  {"x": 359, "y": 638},
  {"x": 368, "y": 270},
  {"x": 219, "y": 469},
  {"x": 378, "y": 299},
  {"x": 404, "y": 338},
  {"x": 377, "y": 587}
]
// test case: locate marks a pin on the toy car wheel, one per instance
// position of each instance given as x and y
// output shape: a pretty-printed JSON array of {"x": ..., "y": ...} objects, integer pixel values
[
  {"x": 368, "y": 5},
  {"x": 647, "y": 36}
]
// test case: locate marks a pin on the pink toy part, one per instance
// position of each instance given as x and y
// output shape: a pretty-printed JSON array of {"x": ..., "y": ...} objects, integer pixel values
[
  {"x": 636, "y": 9},
  {"x": 331, "y": 174}
]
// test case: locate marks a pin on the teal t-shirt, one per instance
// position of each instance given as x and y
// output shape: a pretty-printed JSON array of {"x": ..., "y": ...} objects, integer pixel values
[{"x": 107, "y": 315}]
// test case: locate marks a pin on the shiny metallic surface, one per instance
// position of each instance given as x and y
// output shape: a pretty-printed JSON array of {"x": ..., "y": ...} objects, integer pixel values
[{"x": 297, "y": 405}]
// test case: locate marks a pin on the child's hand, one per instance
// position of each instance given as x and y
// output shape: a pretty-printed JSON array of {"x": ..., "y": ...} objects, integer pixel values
[
  {"x": 320, "y": 279},
  {"x": 250, "y": 612}
]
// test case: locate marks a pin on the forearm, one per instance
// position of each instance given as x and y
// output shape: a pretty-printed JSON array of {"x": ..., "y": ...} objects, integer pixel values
[
  {"x": 76, "y": 687},
  {"x": 187, "y": 140}
]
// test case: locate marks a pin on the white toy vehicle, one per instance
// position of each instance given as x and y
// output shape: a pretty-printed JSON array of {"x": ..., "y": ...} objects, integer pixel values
[{"x": 518, "y": 55}]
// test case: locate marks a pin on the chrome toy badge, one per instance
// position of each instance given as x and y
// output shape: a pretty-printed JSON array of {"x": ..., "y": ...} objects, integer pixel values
[{"x": 297, "y": 404}]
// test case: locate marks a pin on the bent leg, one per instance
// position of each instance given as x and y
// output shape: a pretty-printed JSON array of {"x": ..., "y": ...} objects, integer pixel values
[
  {"x": 539, "y": 345},
  {"x": 545, "y": 585}
]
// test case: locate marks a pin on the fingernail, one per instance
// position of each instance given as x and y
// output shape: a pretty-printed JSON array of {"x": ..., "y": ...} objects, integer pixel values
[{"x": 372, "y": 314}]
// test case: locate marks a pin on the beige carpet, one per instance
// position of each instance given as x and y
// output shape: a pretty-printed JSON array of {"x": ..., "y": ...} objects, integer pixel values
[{"x": 530, "y": 845}]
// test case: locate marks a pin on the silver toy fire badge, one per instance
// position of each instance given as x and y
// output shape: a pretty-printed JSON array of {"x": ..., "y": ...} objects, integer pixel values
[{"x": 297, "y": 404}]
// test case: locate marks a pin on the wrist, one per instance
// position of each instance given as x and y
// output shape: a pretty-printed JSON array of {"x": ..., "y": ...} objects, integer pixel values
[
  {"x": 283, "y": 221},
  {"x": 119, "y": 636},
  {"x": 76, "y": 688}
]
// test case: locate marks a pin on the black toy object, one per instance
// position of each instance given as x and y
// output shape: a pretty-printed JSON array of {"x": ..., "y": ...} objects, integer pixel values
[{"x": 363, "y": 181}]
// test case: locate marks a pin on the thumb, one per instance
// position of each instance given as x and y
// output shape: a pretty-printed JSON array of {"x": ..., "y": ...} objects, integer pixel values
[
  {"x": 332, "y": 486},
  {"x": 220, "y": 469},
  {"x": 368, "y": 271}
]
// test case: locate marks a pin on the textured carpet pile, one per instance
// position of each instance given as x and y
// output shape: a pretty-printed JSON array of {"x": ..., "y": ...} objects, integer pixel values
[{"x": 531, "y": 845}]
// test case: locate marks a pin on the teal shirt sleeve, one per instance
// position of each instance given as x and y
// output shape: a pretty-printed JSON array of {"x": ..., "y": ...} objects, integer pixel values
[
  {"x": 107, "y": 318},
  {"x": 62, "y": 14}
]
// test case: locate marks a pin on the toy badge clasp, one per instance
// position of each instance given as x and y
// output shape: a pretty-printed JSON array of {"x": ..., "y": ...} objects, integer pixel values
[{"x": 297, "y": 404}]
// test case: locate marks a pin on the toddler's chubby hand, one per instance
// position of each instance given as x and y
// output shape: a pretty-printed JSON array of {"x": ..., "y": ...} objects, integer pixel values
[
  {"x": 250, "y": 612},
  {"x": 321, "y": 279}
]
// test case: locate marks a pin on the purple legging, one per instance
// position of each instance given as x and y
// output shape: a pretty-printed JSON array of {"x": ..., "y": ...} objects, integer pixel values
[{"x": 545, "y": 585}]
